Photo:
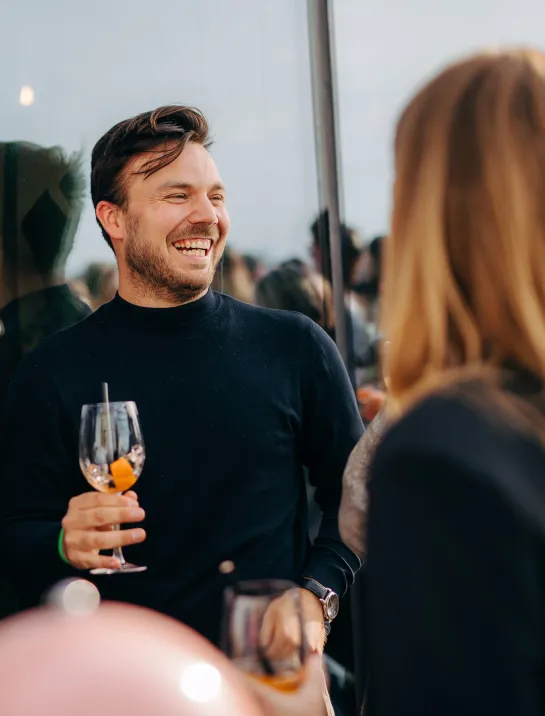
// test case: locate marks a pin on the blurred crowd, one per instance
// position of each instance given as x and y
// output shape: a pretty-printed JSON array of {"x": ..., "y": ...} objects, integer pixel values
[{"x": 97, "y": 284}]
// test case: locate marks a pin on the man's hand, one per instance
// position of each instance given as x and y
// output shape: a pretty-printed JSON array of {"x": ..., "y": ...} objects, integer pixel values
[
  {"x": 88, "y": 528},
  {"x": 281, "y": 633},
  {"x": 313, "y": 618}
]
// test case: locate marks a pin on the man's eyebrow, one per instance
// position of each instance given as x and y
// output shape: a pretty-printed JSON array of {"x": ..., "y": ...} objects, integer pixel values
[
  {"x": 174, "y": 185},
  {"x": 168, "y": 186}
]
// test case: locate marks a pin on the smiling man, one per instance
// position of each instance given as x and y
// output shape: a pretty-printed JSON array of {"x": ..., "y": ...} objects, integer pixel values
[
  {"x": 168, "y": 229},
  {"x": 234, "y": 401}
]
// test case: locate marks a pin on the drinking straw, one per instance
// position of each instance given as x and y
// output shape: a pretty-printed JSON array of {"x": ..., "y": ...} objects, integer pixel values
[{"x": 109, "y": 434}]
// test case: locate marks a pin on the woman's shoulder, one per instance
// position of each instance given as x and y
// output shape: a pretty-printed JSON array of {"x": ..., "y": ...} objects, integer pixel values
[
  {"x": 465, "y": 424},
  {"x": 471, "y": 440}
]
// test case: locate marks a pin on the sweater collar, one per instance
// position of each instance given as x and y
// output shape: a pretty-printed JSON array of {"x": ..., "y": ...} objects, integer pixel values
[{"x": 185, "y": 315}]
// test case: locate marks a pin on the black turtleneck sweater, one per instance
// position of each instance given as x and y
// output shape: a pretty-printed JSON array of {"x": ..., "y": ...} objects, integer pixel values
[{"x": 234, "y": 400}]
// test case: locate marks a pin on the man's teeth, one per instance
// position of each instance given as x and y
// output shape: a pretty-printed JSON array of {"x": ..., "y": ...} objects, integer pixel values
[
  {"x": 193, "y": 252},
  {"x": 193, "y": 244}
]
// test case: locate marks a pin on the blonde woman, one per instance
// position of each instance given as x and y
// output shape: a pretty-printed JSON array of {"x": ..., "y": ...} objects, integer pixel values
[
  {"x": 456, "y": 536},
  {"x": 456, "y": 524}
]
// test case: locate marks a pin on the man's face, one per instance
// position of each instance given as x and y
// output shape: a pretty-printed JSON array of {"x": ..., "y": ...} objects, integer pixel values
[{"x": 175, "y": 226}]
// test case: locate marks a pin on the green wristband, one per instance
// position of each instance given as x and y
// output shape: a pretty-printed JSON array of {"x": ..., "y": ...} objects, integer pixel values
[{"x": 59, "y": 546}]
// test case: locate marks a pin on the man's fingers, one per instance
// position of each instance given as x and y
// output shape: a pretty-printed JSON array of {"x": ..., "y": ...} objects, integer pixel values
[
  {"x": 122, "y": 538},
  {"x": 88, "y": 560},
  {"x": 267, "y": 629},
  {"x": 98, "y": 540},
  {"x": 282, "y": 647},
  {"x": 315, "y": 636},
  {"x": 91, "y": 500},
  {"x": 281, "y": 632},
  {"x": 116, "y": 538},
  {"x": 285, "y": 644},
  {"x": 103, "y": 516}
]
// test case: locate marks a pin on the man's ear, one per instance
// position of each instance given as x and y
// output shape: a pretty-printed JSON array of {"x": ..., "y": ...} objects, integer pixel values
[{"x": 112, "y": 220}]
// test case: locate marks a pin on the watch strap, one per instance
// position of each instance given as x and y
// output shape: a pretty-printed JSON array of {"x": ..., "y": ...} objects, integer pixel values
[{"x": 316, "y": 588}]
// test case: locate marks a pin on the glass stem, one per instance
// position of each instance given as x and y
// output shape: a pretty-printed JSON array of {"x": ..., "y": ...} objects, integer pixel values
[{"x": 117, "y": 553}]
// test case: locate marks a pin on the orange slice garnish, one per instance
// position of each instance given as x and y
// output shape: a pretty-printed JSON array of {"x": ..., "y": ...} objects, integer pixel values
[{"x": 122, "y": 474}]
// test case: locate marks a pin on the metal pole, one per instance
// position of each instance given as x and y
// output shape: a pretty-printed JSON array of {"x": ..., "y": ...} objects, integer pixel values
[
  {"x": 322, "y": 56},
  {"x": 323, "y": 94}
]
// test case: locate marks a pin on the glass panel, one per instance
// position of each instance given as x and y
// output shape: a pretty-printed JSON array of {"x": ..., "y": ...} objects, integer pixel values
[
  {"x": 75, "y": 70},
  {"x": 384, "y": 51}
]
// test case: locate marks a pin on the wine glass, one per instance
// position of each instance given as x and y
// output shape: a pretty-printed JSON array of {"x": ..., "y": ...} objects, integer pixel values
[
  {"x": 111, "y": 456},
  {"x": 252, "y": 638}
]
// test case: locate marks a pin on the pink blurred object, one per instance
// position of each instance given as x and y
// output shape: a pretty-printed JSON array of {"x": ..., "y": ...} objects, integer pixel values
[{"x": 115, "y": 661}]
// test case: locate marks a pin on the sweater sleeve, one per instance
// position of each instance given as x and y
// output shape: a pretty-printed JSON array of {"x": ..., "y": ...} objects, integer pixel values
[
  {"x": 331, "y": 428},
  {"x": 35, "y": 481},
  {"x": 455, "y": 581}
]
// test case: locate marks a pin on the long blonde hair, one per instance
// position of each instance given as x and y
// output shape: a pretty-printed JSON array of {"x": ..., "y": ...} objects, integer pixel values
[{"x": 464, "y": 283}]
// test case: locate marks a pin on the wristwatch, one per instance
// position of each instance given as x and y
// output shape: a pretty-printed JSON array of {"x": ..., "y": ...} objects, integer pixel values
[{"x": 330, "y": 600}]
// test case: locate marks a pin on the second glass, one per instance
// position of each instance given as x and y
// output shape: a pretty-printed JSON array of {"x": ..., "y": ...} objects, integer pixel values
[{"x": 263, "y": 632}]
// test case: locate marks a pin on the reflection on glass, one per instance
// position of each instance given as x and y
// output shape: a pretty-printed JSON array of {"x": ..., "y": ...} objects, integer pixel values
[
  {"x": 41, "y": 200},
  {"x": 262, "y": 122}
]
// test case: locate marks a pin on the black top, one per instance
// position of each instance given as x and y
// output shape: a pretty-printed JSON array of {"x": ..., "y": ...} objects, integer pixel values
[
  {"x": 233, "y": 401},
  {"x": 456, "y": 566},
  {"x": 28, "y": 320}
]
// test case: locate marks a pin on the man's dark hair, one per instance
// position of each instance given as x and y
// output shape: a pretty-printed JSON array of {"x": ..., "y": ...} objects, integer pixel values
[
  {"x": 162, "y": 133},
  {"x": 41, "y": 204},
  {"x": 351, "y": 246}
]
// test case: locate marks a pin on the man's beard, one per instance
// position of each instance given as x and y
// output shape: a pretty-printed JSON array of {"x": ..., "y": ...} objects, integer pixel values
[{"x": 152, "y": 272}]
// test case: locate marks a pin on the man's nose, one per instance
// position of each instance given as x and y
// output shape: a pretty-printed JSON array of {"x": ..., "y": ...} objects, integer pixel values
[{"x": 203, "y": 212}]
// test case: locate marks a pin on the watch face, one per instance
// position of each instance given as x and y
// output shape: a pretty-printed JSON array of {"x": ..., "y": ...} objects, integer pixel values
[{"x": 332, "y": 605}]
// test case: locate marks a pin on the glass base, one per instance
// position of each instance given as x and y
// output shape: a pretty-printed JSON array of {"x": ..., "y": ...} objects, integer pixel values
[{"x": 126, "y": 568}]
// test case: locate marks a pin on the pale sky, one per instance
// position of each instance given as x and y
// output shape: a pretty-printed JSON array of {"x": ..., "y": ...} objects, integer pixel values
[{"x": 245, "y": 64}]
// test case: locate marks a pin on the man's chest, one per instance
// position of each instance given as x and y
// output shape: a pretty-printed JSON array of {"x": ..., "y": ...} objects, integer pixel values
[{"x": 194, "y": 407}]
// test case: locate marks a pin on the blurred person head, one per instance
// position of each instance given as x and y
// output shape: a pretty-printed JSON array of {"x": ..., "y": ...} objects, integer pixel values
[
  {"x": 160, "y": 203},
  {"x": 256, "y": 267},
  {"x": 351, "y": 247},
  {"x": 101, "y": 280},
  {"x": 234, "y": 277},
  {"x": 464, "y": 290},
  {"x": 80, "y": 289},
  {"x": 293, "y": 286},
  {"x": 41, "y": 204},
  {"x": 117, "y": 661},
  {"x": 367, "y": 280}
]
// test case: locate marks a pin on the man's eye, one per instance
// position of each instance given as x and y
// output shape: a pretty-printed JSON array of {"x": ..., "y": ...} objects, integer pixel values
[
  {"x": 178, "y": 196},
  {"x": 218, "y": 197}
]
